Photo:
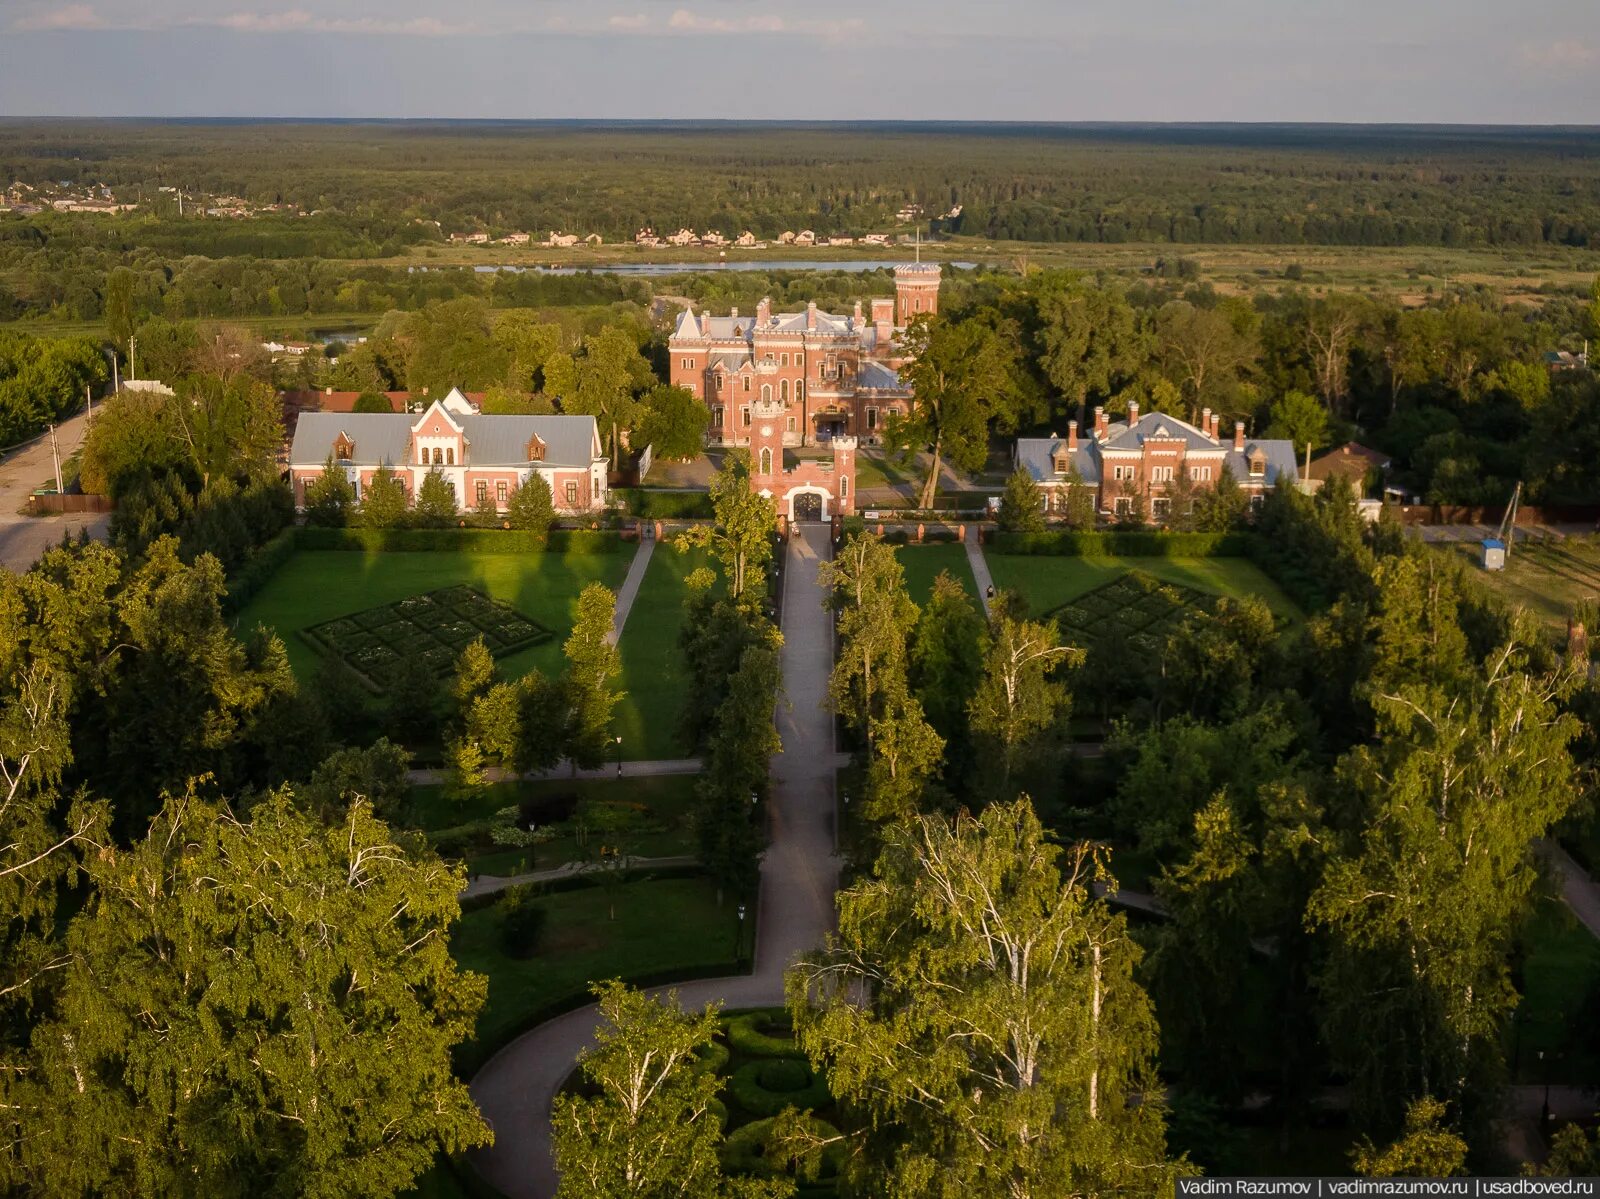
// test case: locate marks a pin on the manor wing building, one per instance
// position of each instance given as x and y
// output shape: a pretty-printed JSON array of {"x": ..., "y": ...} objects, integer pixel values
[
  {"x": 483, "y": 458},
  {"x": 831, "y": 375},
  {"x": 1132, "y": 466}
]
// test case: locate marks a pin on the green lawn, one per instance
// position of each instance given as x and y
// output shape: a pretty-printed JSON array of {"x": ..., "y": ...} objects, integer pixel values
[
  {"x": 314, "y": 586},
  {"x": 662, "y": 926},
  {"x": 653, "y": 671},
  {"x": 1560, "y": 983},
  {"x": 922, "y": 564},
  {"x": 1547, "y": 578},
  {"x": 667, "y": 800},
  {"x": 1047, "y": 582}
]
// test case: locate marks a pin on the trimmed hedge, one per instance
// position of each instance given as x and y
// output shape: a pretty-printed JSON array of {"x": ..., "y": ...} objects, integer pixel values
[
  {"x": 711, "y": 1057},
  {"x": 252, "y": 575},
  {"x": 744, "y": 1152},
  {"x": 514, "y": 541},
  {"x": 748, "y": 1034},
  {"x": 1126, "y": 544},
  {"x": 651, "y": 504},
  {"x": 769, "y": 1085}
]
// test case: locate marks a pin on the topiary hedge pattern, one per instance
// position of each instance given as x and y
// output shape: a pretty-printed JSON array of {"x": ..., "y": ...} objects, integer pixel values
[
  {"x": 765, "y": 1033},
  {"x": 747, "y": 1149},
  {"x": 768, "y": 1086},
  {"x": 712, "y": 1058}
]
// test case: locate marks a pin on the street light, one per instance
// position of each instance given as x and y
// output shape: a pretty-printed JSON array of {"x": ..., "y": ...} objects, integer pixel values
[
  {"x": 1544, "y": 1112},
  {"x": 619, "y": 756},
  {"x": 738, "y": 935}
]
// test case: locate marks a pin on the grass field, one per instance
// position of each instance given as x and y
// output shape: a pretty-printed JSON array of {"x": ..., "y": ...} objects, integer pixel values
[
  {"x": 653, "y": 671},
  {"x": 662, "y": 925},
  {"x": 1548, "y": 578},
  {"x": 664, "y": 800},
  {"x": 316, "y": 586},
  {"x": 1048, "y": 582},
  {"x": 922, "y": 564},
  {"x": 1560, "y": 984}
]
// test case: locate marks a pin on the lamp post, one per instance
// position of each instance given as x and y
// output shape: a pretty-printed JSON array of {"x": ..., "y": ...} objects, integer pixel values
[
  {"x": 738, "y": 936},
  {"x": 1544, "y": 1111},
  {"x": 619, "y": 756}
]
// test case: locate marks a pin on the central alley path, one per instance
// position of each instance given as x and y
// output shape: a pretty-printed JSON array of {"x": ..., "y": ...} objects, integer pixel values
[{"x": 798, "y": 877}]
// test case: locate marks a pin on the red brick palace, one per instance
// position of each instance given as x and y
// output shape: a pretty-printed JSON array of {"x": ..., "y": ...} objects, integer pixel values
[{"x": 830, "y": 375}]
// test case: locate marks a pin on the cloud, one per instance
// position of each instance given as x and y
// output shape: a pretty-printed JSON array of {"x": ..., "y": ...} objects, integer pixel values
[
  {"x": 293, "y": 20},
  {"x": 68, "y": 16},
  {"x": 1559, "y": 56},
  {"x": 631, "y": 24}
]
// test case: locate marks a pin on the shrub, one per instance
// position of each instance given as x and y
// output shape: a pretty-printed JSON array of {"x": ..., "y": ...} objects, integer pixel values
[
  {"x": 522, "y": 922},
  {"x": 752, "y": 1034},
  {"x": 666, "y": 505},
  {"x": 542, "y": 810},
  {"x": 747, "y": 1149},
  {"x": 253, "y": 574}
]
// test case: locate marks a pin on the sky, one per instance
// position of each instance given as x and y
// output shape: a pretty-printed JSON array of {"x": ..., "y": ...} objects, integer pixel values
[{"x": 1453, "y": 61}]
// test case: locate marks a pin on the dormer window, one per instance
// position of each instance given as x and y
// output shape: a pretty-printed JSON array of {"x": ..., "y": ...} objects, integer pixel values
[
  {"x": 738, "y": 330},
  {"x": 535, "y": 448},
  {"x": 343, "y": 448},
  {"x": 1258, "y": 464},
  {"x": 1063, "y": 463}
]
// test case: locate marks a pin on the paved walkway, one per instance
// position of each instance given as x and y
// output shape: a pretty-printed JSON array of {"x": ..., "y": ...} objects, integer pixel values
[
  {"x": 799, "y": 875},
  {"x": 645, "y": 768},
  {"x": 979, "y": 564},
  {"x": 489, "y": 884},
  {"x": 629, "y": 591},
  {"x": 1578, "y": 890},
  {"x": 24, "y": 538}
]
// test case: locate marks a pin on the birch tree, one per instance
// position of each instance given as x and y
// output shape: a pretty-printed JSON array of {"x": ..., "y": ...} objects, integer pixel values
[
  {"x": 1019, "y": 698},
  {"x": 979, "y": 1020}
]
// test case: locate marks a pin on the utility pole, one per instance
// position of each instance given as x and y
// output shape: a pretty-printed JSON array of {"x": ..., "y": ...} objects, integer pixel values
[
  {"x": 88, "y": 400},
  {"x": 133, "y": 357},
  {"x": 55, "y": 453}
]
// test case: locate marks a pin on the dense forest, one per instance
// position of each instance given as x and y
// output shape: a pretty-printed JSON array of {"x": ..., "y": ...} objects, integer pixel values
[{"x": 1190, "y": 184}]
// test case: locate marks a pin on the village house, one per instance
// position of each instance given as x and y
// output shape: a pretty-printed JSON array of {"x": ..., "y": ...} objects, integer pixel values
[
  {"x": 1134, "y": 465},
  {"x": 746, "y": 239},
  {"x": 1362, "y": 466},
  {"x": 561, "y": 240},
  {"x": 832, "y": 375},
  {"x": 515, "y": 239},
  {"x": 484, "y": 459}
]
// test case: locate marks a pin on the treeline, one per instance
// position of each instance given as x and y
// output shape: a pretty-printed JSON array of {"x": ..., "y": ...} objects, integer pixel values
[
  {"x": 66, "y": 282},
  {"x": 1216, "y": 184},
  {"x": 1458, "y": 392}
]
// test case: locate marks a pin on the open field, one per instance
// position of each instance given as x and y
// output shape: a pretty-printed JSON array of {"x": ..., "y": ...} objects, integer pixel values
[
  {"x": 1549, "y": 578},
  {"x": 653, "y": 671},
  {"x": 1047, "y": 582},
  {"x": 922, "y": 564},
  {"x": 662, "y": 925}
]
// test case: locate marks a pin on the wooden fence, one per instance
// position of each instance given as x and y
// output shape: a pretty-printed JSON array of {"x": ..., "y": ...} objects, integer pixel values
[{"x": 48, "y": 501}]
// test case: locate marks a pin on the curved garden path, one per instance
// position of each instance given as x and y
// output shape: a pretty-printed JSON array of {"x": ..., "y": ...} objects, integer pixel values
[{"x": 798, "y": 877}]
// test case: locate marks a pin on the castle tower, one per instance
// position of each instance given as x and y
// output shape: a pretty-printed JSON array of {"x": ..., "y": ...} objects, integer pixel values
[
  {"x": 844, "y": 474},
  {"x": 766, "y": 443},
  {"x": 916, "y": 291}
]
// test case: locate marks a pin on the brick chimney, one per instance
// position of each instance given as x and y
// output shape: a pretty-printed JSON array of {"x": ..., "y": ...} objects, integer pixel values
[
  {"x": 1205, "y": 421},
  {"x": 1072, "y": 435},
  {"x": 1101, "y": 425},
  {"x": 1133, "y": 413},
  {"x": 811, "y": 315},
  {"x": 764, "y": 311},
  {"x": 1216, "y": 426},
  {"x": 705, "y": 324},
  {"x": 1238, "y": 436}
]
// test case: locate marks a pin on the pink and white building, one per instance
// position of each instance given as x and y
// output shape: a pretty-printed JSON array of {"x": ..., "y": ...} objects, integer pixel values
[{"x": 482, "y": 458}]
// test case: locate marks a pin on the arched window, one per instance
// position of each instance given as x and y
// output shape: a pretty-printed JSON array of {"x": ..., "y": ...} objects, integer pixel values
[
  {"x": 783, "y": 391},
  {"x": 766, "y": 462},
  {"x": 450, "y": 456},
  {"x": 799, "y": 390},
  {"x": 766, "y": 392},
  {"x": 844, "y": 487},
  {"x": 438, "y": 456}
]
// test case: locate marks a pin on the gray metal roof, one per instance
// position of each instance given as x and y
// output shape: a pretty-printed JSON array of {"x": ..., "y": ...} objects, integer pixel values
[
  {"x": 382, "y": 437},
  {"x": 1156, "y": 424},
  {"x": 1037, "y": 455}
]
